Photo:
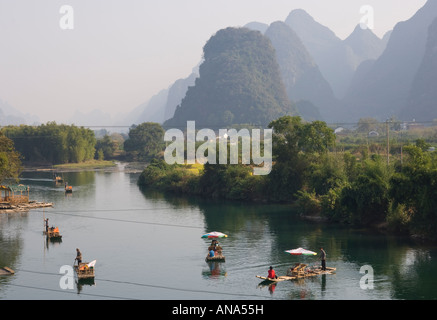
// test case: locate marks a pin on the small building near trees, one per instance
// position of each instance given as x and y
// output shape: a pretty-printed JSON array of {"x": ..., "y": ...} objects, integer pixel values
[{"x": 14, "y": 194}]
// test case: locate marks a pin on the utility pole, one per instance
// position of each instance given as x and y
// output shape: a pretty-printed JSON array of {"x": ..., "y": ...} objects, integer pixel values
[{"x": 388, "y": 142}]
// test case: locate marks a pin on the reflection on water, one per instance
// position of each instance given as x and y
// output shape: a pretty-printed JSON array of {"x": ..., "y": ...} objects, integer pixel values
[
  {"x": 10, "y": 242},
  {"x": 81, "y": 283},
  {"x": 214, "y": 270},
  {"x": 148, "y": 246}
]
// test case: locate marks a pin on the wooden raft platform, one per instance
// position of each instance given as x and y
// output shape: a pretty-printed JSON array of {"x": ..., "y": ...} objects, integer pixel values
[
  {"x": 53, "y": 235},
  {"x": 216, "y": 258},
  {"x": 279, "y": 279},
  {"x": 84, "y": 272},
  {"x": 299, "y": 271},
  {"x": 52, "y": 232},
  {"x": 6, "y": 207},
  {"x": 5, "y": 271},
  {"x": 58, "y": 179}
]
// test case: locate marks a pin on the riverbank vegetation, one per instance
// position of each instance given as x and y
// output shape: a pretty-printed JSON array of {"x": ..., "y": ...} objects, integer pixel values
[
  {"x": 144, "y": 141},
  {"x": 10, "y": 160},
  {"x": 52, "y": 143},
  {"x": 354, "y": 186}
]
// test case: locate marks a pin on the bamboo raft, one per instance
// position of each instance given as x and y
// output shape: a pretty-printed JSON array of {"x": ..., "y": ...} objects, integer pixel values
[
  {"x": 5, "y": 271},
  {"x": 216, "y": 258},
  {"x": 299, "y": 271},
  {"x": 278, "y": 279},
  {"x": 7, "y": 207},
  {"x": 84, "y": 272},
  {"x": 218, "y": 254},
  {"x": 53, "y": 234},
  {"x": 58, "y": 179}
]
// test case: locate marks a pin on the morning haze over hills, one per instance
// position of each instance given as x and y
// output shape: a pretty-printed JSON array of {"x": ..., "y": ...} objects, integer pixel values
[
  {"x": 239, "y": 78},
  {"x": 259, "y": 72},
  {"x": 382, "y": 90}
]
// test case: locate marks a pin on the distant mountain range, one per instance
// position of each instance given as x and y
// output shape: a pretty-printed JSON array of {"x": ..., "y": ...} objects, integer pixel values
[
  {"x": 162, "y": 105},
  {"x": 316, "y": 66},
  {"x": 382, "y": 88},
  {"x": 422, "y": 99},
  {"x": 336, "y": 59},
  {"x": 302, "y": 78},
  {"x": 11, "y": 116},
  {"x": 323, "y": 77}
]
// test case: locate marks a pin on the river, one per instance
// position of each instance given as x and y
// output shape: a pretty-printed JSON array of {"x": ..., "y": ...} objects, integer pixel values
[{"x": 148, "y": 246}]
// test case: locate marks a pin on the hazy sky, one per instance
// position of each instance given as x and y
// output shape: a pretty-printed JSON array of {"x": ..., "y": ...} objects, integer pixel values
[{"x": 121, "y": 52}]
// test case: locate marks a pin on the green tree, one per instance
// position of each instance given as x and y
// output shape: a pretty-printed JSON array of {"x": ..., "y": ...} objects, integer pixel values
[
  {"x": 145, "y": 141},
  {"x": 366, "y": 199},
  {"x": 422, "y": 144},
  {"x": 52, "y": 143},
  {"x": 295, "y": 146},
  {"x": 326, "y": 173},
  {"x": 106, "y": 146},
  {"x": 365, "y": 125},
  {"x": 10, "y": 162},
  {"x": 413, "y": 188}
]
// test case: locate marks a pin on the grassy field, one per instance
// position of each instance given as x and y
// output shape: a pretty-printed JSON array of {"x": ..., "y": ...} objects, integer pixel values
[
  {"x": 194, "y": 168},
  {"x": 91, "y": 164}
]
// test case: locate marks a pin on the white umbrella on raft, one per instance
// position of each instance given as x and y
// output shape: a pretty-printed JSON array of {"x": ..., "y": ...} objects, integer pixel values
[
  {"x": 214, "y": 235},
  {"x": 301, "y": 252},
  {"x": 91, "y": 264}
]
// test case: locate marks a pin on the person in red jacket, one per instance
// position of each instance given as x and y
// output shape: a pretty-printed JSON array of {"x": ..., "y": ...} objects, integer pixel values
[{"x": 272, "y": 274}]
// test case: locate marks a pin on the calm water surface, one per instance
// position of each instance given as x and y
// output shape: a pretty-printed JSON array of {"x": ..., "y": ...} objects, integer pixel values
[{"x": 148, "y": 246}]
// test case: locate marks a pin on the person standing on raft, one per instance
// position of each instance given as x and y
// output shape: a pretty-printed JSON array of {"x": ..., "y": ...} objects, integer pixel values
[
  {"x": 323, "y": 258},
  {"x": 78, "y": 257}
]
